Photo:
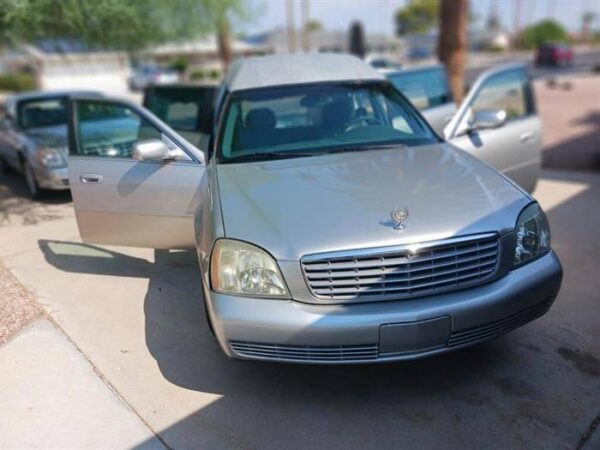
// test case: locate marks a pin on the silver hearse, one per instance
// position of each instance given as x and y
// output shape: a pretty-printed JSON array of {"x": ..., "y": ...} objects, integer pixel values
[{"x": 332, "y": 225}]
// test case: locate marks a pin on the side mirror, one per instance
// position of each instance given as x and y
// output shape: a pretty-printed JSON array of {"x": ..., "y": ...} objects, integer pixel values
[
  {"x": 488, "y": 118},
  {"x": 150, "y": 150},
  {"x": 157, "y": 150}
]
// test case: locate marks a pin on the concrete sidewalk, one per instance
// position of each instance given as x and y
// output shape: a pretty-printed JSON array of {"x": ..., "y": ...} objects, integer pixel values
[{"x": 52, "y": 397}]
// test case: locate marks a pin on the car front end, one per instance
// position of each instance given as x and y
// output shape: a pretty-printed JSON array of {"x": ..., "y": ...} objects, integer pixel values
[
  {"x": 295, "y": 277},
  {"x": 47, "y": 162},
  {"x": 341, "y": 229}
]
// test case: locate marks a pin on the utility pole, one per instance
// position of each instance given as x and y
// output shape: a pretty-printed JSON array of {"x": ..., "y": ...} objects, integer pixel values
[
  {"x": 291, "y": 26},
  {"x": 516, "y": 21},
  {"x": 305, "y": 18}
]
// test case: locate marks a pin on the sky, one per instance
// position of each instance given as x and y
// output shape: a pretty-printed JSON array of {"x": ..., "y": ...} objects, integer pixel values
[{"x": 377, "y": 15}]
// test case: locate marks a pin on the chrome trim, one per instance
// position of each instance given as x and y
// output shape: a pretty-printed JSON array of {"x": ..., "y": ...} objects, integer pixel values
[
  {"x": 343, "y": 254},
  {"x": 359, "y": 293}
]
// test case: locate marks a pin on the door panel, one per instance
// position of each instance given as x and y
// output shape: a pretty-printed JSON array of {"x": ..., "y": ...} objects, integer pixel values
[
  {"x": 122, "y": 201},
  {"x": 513, "y": 148}
]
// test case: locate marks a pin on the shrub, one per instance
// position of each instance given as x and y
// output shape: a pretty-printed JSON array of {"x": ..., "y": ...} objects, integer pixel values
[
  {"x": 17, "y": 82},
  {"x": 546, "y": 31},
  {"x": 198, "y": 74},
  {"x": 214, "y": 74},
  {"x": 179, "y": 65}
]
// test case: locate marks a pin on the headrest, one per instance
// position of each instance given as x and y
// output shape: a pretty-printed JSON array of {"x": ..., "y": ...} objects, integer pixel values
[{"x": 261, "y": 118}]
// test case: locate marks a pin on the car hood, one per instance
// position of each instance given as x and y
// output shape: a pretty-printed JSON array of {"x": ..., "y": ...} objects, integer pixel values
[
  {"x": 295, "y": 207},
  {"x": 55, "y": 137}
]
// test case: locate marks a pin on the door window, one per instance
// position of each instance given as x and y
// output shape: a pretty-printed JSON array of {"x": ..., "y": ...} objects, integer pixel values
[
  {"x": 507, "y": 91},
  {"x": 424, "y": 88},
  {"x": 110, "y": 129},
  {"x": 182, "y": 108}
]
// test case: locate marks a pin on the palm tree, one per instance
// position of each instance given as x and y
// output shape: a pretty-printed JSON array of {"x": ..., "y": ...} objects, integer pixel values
[{"x": 452, "y": 43}]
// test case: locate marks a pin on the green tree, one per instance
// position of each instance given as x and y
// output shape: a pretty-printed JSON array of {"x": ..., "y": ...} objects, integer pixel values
[
  {"x": 418, "y": 16},
  {"x": 117, "y": 24},
  {"x": 542, "y": 32}
]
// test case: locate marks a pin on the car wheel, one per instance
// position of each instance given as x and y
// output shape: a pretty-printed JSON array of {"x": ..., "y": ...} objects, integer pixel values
[{"x": 30, "y": 181}]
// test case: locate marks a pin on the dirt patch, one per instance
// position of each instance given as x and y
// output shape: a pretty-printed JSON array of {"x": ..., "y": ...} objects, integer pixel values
[{"x": 17, "y": 305}]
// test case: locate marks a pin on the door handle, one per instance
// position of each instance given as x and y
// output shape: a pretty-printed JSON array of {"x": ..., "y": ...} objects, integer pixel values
[
  {"x": 526, "y": 137},
  {"x": 91, "y": 178}
]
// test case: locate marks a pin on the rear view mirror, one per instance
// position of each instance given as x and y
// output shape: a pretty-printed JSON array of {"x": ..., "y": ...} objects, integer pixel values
[
  {"x": 150, "y": 150},
  {"x": 488, "y": 118}
]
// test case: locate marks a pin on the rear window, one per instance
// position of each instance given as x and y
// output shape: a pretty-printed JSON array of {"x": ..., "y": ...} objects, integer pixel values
[
  {"x": 424, "y": 88},
  {"x": 183, "y": 108},
  {"x": 45, "y": 112}
]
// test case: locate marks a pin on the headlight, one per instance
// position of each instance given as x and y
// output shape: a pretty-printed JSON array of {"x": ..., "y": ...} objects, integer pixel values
[
  {"x": 239, "y": 268},
  {"x": 533, "y": 235},
  {"x": 50, "y": 157}
]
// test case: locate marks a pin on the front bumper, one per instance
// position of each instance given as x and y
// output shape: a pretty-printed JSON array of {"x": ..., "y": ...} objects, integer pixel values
[
  {"x": 54, "y": 179},
  {"x": 291, "y": 331}
]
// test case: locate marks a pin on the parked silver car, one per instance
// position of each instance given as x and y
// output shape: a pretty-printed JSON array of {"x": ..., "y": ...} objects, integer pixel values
[
  {"x": 33, "y": 138},
  {"x": 332, "y": 225}
]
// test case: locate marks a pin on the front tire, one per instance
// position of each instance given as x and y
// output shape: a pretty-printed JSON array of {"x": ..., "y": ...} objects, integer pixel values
[{"x": 32, "y": 185}]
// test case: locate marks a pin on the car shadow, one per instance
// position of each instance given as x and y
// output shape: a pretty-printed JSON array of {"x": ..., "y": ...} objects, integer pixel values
[{"x": 179, "y": 339}]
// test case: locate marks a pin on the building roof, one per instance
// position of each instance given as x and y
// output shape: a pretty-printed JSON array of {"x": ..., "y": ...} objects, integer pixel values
[{"x": 297, "y": 68}]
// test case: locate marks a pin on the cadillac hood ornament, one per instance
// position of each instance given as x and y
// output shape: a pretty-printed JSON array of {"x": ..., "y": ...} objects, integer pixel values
[{"x": 398, "y": 217}]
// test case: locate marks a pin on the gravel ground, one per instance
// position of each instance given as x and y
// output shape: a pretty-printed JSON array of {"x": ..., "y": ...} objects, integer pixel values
[
  {"x": 17, "y": 305},
  {"x": 571, "y": 138}
]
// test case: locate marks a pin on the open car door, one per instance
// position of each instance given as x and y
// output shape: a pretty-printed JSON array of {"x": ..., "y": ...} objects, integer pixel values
[
  {"x": 134, "y": 180},
  {"x": 498, "y": 123}
]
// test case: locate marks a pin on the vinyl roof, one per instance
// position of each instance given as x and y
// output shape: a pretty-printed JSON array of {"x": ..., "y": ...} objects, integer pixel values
[{"x": 299, "y": 68}]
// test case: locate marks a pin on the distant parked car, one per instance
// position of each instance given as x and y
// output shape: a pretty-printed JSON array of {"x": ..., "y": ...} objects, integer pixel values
[
  {"x": 419, "y": 53},
  {"x": 187, "y": 108},
  {"x": 33, "y": 138},
  {"x": 382, "y": 63},
  {"x": 554, "y": 55},
  {"x": 151, "y": 74}
]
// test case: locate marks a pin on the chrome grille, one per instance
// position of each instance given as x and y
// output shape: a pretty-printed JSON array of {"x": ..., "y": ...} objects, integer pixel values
[
  {"x": 403, "y": 272},
  {"x": 305, "y": 352}
]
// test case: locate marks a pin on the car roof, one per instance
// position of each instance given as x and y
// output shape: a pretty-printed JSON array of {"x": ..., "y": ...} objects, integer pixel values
[
  {"x": 33, "y": 95},
  {"x": 299, "y": 68}
]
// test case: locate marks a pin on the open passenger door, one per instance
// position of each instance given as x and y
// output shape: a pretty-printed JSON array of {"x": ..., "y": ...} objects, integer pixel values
[
  {"x": 498, "y": 123},
  {"x": 134, "y": 180}
]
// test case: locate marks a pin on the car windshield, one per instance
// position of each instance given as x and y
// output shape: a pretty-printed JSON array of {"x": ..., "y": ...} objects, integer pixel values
[
  {"x": 46, "y": 112},
  {"x": 318, "y": 119}
]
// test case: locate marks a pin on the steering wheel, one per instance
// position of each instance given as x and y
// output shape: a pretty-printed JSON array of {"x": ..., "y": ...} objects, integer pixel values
[{"x": 357, "y": 121}]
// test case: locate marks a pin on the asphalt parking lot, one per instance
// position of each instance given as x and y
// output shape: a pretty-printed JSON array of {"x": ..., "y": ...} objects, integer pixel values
[{"x": 136, "y": 316}]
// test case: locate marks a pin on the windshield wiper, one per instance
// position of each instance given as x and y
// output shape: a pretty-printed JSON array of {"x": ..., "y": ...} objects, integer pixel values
[
  {"x": 361, "y": 147},
  {"x": 262, "y": 156}
]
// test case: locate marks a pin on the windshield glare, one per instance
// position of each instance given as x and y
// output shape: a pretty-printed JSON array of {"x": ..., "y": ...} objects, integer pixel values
[
  {"x": 318, "y": 119},
  {"x": 46, "y": 112}
]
